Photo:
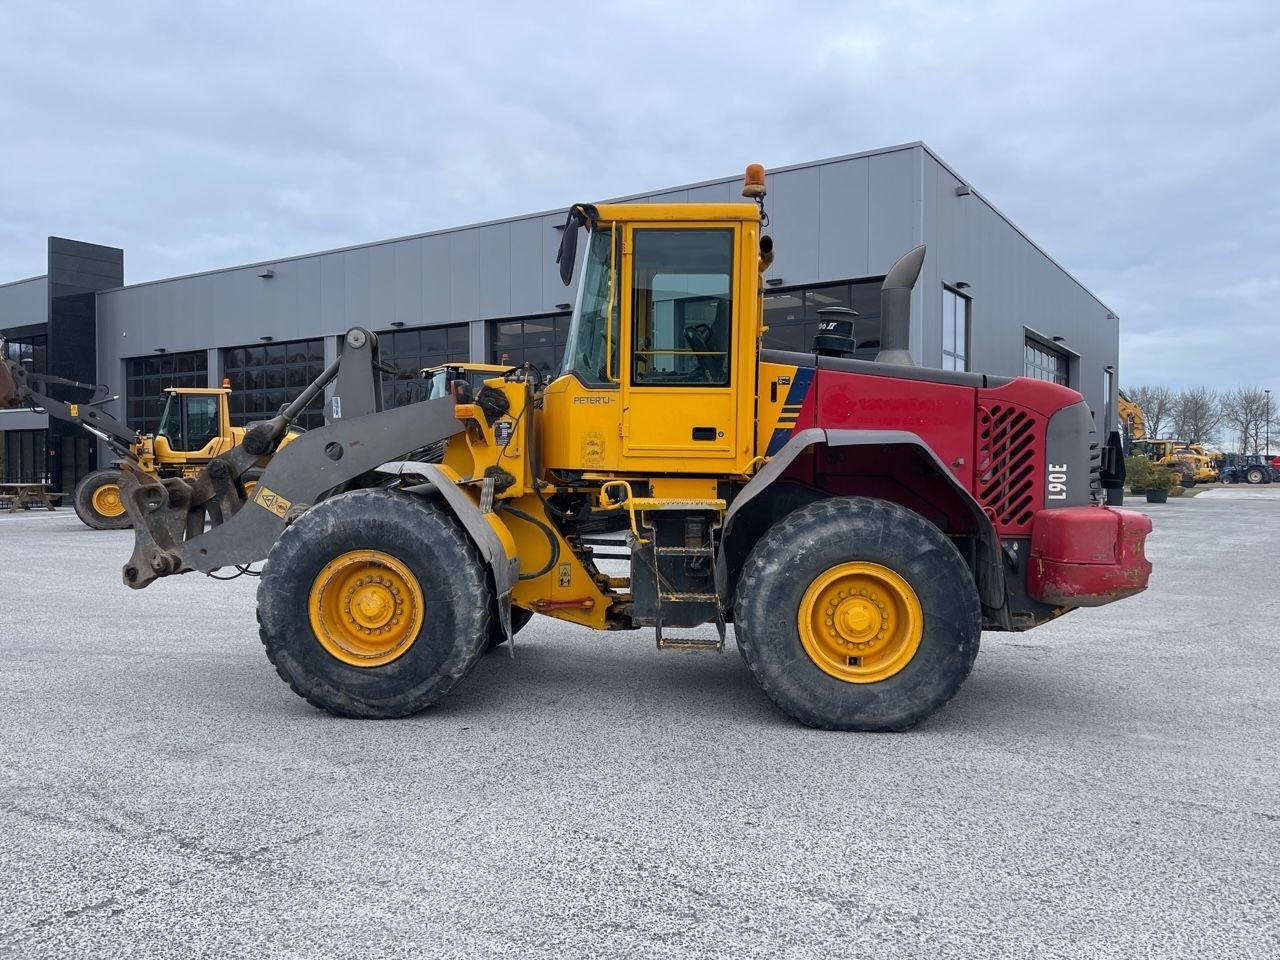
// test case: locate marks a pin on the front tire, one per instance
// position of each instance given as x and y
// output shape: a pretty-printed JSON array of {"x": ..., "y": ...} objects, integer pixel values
[
  {"x": 97, "y": 501},
  {"x": 374, "y": 604},
  {"x": 857, "y": 614}
]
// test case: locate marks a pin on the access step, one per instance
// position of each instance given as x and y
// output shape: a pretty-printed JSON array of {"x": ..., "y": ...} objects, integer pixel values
[{"x": 690, "y": 643}]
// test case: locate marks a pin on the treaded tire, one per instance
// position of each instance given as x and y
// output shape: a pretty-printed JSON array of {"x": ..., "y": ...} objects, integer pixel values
[
  {"x": 1255, "y": 475},
  {"x": 805, "y": 543},
  {"x": 456, "y": 591},
  {"x": 82, "y": 501},
  {"x": 520, "y": 618}
]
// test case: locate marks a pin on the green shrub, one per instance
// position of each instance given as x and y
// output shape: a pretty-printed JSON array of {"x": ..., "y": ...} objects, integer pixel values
[
  {"x": 1163, "y": 479},
  {"x": 1138, "y": 471}
]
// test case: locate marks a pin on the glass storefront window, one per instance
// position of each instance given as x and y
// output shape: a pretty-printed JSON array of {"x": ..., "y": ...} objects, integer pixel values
[
  {"x": 261, "y": 375},
  {"x": 147, "y": 377},
  {"x": 411, "y": 350}
]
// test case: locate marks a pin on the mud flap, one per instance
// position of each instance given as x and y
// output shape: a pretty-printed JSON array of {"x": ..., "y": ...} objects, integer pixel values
[{"x": 505, "y": 569}]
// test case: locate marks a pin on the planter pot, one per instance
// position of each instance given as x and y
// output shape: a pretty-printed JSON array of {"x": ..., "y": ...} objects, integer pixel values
[
  {"x": 1157, "y": 496},
  {"x": 1115, "y": 496},
  {"x": 1188, "y": 483},
  {"x": 1137, "y": 491}
]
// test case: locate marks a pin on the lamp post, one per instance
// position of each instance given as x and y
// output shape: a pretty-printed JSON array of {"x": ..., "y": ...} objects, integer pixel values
[{"x": 1268, "y": 393}]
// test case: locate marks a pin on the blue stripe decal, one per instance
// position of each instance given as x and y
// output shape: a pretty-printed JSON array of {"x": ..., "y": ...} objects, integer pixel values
[{"x": 800, "y": 383}]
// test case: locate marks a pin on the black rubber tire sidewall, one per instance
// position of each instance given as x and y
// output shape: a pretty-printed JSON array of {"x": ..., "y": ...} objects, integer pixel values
[
  {"x": 810, "y": 540},
  {"x": 82, "y": 502},
  {"x": 1255, "y": 476},
  {"x": 455, "y": 586}
]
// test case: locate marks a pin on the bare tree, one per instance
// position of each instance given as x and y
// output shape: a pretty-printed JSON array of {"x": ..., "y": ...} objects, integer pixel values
[
  {"x": 1197, "y": 414},
  {"x": 1157, "y": 406},
  {"x": 1246, "y": 413}
]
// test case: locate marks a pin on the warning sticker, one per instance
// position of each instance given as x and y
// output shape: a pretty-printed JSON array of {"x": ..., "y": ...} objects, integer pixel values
[
  {"x": 593, "y": 449},
  {"x": 270, "y": 500}
]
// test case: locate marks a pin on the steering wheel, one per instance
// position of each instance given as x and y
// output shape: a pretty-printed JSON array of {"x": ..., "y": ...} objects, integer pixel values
[{"x": 698, "y": 336}]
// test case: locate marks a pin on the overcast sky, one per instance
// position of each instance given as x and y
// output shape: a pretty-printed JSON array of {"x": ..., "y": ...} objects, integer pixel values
[{"x": 1136, "y": 142}]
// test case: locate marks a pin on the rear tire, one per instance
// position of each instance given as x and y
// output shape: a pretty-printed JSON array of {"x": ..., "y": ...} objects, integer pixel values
[
  {"x": 424, "y": 553},
  {"x": 924, "y": 581},
  {"x": 1255, "y": 475},
  {"x": 97, "y": 500}
]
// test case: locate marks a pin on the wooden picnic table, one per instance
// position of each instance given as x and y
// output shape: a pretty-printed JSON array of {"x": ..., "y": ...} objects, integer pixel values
[{"x": 24, "y": 496}]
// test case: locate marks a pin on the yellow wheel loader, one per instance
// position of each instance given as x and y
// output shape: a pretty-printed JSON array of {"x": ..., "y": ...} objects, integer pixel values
[
  {"x": 859, "y": 523},
  {"x": 195, "y": 427}
]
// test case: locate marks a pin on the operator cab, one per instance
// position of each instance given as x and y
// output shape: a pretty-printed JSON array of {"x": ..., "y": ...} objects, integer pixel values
[
  {"x": 659, "y": 368},
  {"x": 190, "y": 421}
]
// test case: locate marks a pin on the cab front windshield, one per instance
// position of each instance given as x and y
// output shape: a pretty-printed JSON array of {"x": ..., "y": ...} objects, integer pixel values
[
  {"x": 171, "y": 421},
  {"x": 593, "y": 334}
]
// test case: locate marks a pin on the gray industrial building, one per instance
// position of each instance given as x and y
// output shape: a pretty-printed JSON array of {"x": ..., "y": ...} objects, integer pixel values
[{"x": 988, "y": 299}]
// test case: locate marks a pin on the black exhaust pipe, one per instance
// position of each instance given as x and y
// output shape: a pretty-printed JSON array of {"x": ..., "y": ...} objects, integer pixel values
[{"x": 895, "y": 309}]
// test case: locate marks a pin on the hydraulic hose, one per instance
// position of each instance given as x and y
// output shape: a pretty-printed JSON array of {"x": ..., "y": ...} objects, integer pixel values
[{"x": 551, "y": 539}]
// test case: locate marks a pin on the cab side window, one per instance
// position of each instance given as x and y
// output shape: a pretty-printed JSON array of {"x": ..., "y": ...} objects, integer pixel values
[
  {"x": 202, "y": 421},
  {"x": 681, "y": 308}
]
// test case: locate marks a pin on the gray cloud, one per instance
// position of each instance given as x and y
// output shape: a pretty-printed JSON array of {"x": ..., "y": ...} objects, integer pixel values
[{"x": 1133, "y": 141}]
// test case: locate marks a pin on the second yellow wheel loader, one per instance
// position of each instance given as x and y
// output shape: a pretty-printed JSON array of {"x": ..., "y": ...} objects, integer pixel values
[
  {"x": 859, "y": 523},
  {"x": 195, "y": 427}
]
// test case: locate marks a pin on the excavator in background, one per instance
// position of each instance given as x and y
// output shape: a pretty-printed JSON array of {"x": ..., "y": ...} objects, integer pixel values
[
  {"x": 858, "y": 522},
  {"x": 1133, "y": 425},
  {"x": 195, "y": 427}
]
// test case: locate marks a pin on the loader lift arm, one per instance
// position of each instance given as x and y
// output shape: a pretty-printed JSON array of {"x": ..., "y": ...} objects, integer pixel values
[
  {"x": 170, "y": 515},
  {"x": 20, "y": 387}
]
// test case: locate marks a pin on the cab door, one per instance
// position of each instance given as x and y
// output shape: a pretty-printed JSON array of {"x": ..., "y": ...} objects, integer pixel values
[{"x": 680, "y": 373}]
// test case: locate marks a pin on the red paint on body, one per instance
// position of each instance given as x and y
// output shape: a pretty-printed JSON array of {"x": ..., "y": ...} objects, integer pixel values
[{"x": 1087, "y": 556}]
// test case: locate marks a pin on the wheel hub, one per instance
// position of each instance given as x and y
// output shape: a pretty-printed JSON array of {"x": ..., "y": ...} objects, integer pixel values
[
  {"x": 860, "y": 622},
  {"x": 366, "y": 608},
  {"x": 107, "y": 502}
]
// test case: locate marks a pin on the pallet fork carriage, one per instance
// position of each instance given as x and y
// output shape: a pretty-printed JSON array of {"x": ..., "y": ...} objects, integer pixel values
[{"x": 859, "y": 523}]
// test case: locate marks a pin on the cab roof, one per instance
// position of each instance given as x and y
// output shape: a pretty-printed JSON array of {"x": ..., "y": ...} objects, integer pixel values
[{"x": 607, "y": 212}]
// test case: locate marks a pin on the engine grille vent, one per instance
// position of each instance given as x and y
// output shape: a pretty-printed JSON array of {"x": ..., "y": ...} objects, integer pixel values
[
  {"x": 1007, "y": 464},
  {"x": 1095, "y": 466}
]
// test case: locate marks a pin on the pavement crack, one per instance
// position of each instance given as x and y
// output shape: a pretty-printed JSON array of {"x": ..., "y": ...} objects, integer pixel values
[{"x": 116, "y": 904}]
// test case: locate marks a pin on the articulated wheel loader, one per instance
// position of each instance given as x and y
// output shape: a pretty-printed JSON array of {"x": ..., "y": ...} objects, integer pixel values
[
  {"x": 858, "y": 522},
  {"x": 195, "y": 427}
]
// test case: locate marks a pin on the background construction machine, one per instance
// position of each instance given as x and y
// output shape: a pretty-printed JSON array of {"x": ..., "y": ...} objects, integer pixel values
[
  {"x": 1191, "y": 461},
  {"x": 194, "y": 428},
  {"x": 858, "y": 522}
]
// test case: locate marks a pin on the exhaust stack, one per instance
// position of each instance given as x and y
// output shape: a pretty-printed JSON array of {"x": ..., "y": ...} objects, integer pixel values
[{"x": 895, "y": 309}]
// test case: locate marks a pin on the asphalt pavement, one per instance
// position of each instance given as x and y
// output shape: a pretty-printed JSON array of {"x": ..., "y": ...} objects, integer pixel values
[{"x": 1105, "y": 786}]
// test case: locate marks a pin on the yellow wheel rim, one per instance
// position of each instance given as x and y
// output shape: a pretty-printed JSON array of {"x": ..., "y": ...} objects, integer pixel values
[
  {"x": 366, "y": 608},
  {"x": 106, "y": 501},
  {"x": 860, "y": 622},
  {"x": 249, "y": 486}
]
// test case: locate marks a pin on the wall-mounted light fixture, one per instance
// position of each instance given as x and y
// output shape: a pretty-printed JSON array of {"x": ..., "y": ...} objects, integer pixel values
[
  {"x": 160, "y": 350},
  {"x": 961, "y": 285},
  {"x": 397, "y": 323},
  {"x": 564, "y": 306},
  {"x": 266, "y": 339},
  {"x": 773, "y": 282},
  {"x": 1111, "y": 316},
  {"x": 1059, "y": 339},
  {"x": 963, "y": 190},
  {"x": 267, "y": 274}
]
